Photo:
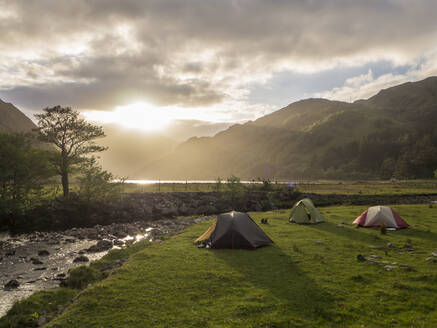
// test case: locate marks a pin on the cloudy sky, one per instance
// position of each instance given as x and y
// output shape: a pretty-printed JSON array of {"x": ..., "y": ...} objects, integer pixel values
[{"x": 142, "y": 63}]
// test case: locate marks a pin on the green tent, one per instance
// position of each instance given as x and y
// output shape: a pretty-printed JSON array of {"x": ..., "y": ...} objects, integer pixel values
[
  {"x": 304, "y": 212},
  {"x": 234, "y": 230}
]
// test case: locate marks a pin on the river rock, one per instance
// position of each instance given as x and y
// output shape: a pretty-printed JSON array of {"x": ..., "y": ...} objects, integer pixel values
[
  {"x": 102, "y": 245},
  {"x": 36, "y": 261},
  {"x": 40, "y": 269},
  {"x": 118, "y": 242},
  {"x": 10, "y": 253},
  {"x": 81, "y": 258},
  {"x": 12, "y": 284}
]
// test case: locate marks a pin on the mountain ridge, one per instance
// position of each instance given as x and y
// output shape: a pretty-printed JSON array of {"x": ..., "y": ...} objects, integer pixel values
[{"x": 320, "y": 138}]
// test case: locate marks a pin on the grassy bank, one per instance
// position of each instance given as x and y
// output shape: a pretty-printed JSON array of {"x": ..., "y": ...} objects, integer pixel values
[{"x": 309, "y": 278}]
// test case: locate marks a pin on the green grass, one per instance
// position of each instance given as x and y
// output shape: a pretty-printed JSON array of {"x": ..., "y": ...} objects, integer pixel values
[
  {"x": 376, "y": 187},
  {"x": 26, "y": 313},
  {"x": 295, "y": 283}
]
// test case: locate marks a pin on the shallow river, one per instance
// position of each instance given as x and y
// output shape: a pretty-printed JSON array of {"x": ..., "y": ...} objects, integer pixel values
[{"x": 19, "y": 260}]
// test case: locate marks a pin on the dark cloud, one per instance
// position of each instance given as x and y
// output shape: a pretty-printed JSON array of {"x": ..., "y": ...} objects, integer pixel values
[{"x": 105, "y": 53}]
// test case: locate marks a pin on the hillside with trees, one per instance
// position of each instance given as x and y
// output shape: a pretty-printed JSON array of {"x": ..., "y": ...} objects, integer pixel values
[{"x": 391, "y": 134}]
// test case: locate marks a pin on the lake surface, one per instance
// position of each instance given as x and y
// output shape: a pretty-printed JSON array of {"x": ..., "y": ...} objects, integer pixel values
[{"x": 145, "y": 182}]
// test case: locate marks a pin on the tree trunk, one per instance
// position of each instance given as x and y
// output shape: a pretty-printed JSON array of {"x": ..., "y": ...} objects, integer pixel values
[{"x": 64, "y": 176}]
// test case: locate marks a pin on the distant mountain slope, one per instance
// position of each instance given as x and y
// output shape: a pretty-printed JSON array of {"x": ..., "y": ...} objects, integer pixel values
[
  {"x": 13, "y": 120},
  {"x": 392, "y": 133},
  {"x": 129, "y": 150}
]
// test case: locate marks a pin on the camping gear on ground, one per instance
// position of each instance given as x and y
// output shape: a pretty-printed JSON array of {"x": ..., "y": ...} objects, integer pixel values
[
  {"x": 380, "y": 216},
  {"x": 234, "y": 230},
  {"x": 304, "y": 212}
]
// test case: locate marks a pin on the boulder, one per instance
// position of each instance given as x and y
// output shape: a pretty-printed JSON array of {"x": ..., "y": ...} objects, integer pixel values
[
  {"x": 40, "y": 269},
  {"x": 12, "y": 284},
  {"x": 10, "y": 253},
  {"x": 118, "y": 242},
  {"x": 81, "y": 258},
  {"x": 102, "y": 245},
  {"x": 36, "y": 261}
]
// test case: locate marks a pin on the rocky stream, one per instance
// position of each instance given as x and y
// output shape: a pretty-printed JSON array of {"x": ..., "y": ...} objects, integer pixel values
[{"x": 41, "y": 260}]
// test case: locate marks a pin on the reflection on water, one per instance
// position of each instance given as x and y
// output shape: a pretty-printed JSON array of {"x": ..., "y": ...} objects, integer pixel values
[
  {"x": 195, "y": 181},
  {"x": 134, "y": 239}
]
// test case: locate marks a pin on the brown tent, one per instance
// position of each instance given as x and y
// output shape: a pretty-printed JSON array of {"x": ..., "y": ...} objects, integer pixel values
[{"x": 234, "y": 230}]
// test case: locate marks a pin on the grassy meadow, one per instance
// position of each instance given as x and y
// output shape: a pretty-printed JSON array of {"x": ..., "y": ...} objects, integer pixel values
[{"x": 310, "y": 277}]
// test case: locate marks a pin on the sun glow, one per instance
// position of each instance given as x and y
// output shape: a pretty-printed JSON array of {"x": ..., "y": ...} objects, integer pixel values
[
  {"x": 140, "y": 116},
  {"x": 147, "y": 117}
]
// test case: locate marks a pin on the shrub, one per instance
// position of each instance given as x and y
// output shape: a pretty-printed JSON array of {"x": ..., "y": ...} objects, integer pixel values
[{"x": 82, "y": 276}]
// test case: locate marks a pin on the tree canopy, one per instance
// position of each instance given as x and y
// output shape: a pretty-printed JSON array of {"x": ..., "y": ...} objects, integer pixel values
[
  {"x": 23, "y": 172},
  {"x": 72, "y": 135}
]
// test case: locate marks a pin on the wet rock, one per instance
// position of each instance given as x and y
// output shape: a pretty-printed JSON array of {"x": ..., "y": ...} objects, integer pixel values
[
  {"x": 361, "y": 258},
  {"x": 390, "y": 267},
  {"x": 340, "y": 226},
  {"x": 102, "y": 245},
  {"x": 40, "y": 269},
  {"x": 81, "y": 258},
  {"x": 434, "y": 253},
  {"x": 375, "y": 256},
  {"x": 10, "y": 253},
  {"x": 118, "y": 242},
  {"x": 61, "y": 275},
  {"x": 36, "y": 261},
  {"x": 43, "y": 252},
  {"x": 318, "y": 242},
  {"x": 12, "y": 284},
  {"x": 431, "y": 259}
]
